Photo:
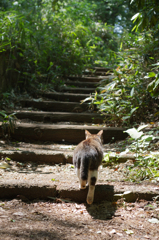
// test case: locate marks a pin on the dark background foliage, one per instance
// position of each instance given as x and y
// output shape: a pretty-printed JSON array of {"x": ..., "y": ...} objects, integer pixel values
[{"x": 43, "y": 41}]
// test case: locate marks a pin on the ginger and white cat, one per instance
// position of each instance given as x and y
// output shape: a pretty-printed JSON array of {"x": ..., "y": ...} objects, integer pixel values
[{"x": 87, "y": 157}]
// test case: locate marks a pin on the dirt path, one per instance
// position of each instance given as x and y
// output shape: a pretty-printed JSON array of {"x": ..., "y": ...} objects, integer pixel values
[{"x": 59, "y": 220}]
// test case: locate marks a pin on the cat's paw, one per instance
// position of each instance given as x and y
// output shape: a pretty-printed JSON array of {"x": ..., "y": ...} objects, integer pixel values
[
  {"x": 89, "y": 200},
  {"x": 82, "y": 186}
]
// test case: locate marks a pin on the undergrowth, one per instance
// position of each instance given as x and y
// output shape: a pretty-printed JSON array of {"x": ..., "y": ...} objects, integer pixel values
[
  {"x": 143, "y": 145},
  {"x": 132, "y": 95}
]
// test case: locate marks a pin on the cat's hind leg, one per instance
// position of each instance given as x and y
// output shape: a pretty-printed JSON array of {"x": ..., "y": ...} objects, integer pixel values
[
  {"x": 82, "y": 183},
  {"x": 92, "y": 178}
]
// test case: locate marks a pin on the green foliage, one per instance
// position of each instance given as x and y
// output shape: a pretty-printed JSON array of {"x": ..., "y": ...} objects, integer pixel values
[
  {"x": 148, "y": 19},
  {"x": 148, "y": 15},
  {"x": 126, "y": 99},
  {"x": 116, "y": 13},
  {"x": 142, "y": 141},
  {"x": 8, "y": 122},
  {"x": 54, "y": 38},
  {"x": 153, "y": 87},
  {"x": 146, "y": 165}
]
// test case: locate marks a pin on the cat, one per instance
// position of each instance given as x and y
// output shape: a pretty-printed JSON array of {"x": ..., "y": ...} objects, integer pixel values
[{"x": 87, "y": 157}]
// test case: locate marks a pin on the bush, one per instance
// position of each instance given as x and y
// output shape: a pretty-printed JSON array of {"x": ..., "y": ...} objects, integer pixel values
[
  {"x": 127, "y": 99},
  {"x": 51, "y": 38}
]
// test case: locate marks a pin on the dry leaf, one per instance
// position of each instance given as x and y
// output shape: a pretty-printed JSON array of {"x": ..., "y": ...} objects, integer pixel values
[
  {"x": 153, "y": 220},
  {"x": 129, "y": 232},
  {"x": 112, "y": 231}
]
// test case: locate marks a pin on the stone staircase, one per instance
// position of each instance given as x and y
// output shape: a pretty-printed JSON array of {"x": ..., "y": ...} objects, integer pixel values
[
  {"x": 60, "y": 116},
  {"x": 47, "y": 130}
]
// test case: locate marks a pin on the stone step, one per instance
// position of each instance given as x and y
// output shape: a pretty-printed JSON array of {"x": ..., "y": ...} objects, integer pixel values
[
  {"x": 97, "y": 73},
  {"x": 103, "y": 69},
  {"x": 91, "y": 74},
  {"x": 32, "y": 174},
  {"x": 60, "y": 96},
  {"x": 39, "y": 156},
  {"x": 77, "y": 90},
  {"x": 62, "y": 133},
  {"x": 50, "y": 117},
  {"x": 54, "y": 105},
  {"x": 90, "y": 79},
  {"x": 41, "y": 187},
  {"x": 82, "y": 84},
  {"x": 50, "y": 154}
]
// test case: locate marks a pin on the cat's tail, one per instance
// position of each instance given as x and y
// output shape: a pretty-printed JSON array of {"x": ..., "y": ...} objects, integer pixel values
[{"x": 85, "y": 163}]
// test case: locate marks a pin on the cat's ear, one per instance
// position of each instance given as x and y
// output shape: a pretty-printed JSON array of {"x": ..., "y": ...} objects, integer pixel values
[
  {"x": 100, "y": 133},
  {"x": 87, "y": 134}
]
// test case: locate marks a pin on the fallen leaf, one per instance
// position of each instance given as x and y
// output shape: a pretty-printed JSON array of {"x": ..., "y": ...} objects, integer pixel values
[
  {"x": 4, "y": 165},
  {"x": 127, "y": 192},
  {"x": 129, "y": 232},
  {"x": 119, "y": 234},
  {"x": 112, "y": 231},
  {"x": 153, "y": 220},
  {"x": 146, "y": 236},
  {"x": 77, "y": 206},
  {"x": 19, "y": 214}
]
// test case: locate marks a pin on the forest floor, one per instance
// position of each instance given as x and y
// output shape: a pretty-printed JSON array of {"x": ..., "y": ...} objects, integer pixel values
[
  {"x": 62, "y": 217},
  {"x": 56, "y": 218},
  {"x": 59, "y": 220}
]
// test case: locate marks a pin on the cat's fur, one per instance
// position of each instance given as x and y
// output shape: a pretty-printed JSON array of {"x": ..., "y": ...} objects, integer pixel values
[{"x": 87, "y": 157}]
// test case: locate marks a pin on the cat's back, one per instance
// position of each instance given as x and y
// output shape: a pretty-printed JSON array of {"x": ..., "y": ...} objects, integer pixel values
[
  {"x": 89, "y": 149},
  {"x": 89, "y": 145}
]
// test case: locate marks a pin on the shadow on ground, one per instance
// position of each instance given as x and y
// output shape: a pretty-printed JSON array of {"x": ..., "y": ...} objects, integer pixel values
[{"x": 103, "y": 207}]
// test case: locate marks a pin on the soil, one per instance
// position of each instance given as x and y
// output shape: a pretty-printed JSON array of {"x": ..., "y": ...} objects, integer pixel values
[
  {"x": 61, "y": 219},
  {"x": 50, "y": 220}
]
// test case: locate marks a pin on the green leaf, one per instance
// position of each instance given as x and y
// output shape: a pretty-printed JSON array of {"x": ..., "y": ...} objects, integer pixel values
[
  {"x": 121, "y": 45},
  {"x": 142, "y": 127},
  {"x": 133, "y": 110},
  {"x": 155, "y": 64},
  {"x": 135, "y": 17},
  {"x": 53, "y": 179},
  {"x": 125, "y": 117},
  {"x": 131, "y": 1},
  {"x": 106, "y": 158},
  {"x": 86, "y": 99},
  {"x": 12, "y": 220},
  {"x": 3, "y": 114},
  {"x": 134, "y": 133},
  {"x": 134, "y": 28},
  {"x": 157, "y": 174},
  {"x": 132, "y": 92},
  {"x": 151, "y": 74},
  {"x": 147, "y": 138}
]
